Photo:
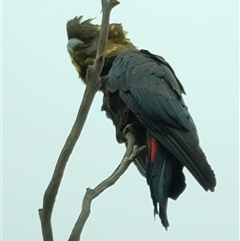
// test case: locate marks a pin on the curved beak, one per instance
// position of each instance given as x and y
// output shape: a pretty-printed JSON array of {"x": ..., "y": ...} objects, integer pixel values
[{"x": 73, "y": 42}]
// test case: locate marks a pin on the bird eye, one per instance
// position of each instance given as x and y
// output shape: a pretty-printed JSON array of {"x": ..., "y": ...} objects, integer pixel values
[{"x": 91, "y": 36}]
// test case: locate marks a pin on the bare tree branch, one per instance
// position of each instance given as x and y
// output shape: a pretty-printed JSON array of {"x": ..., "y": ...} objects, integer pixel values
[
  {"x": 131, "y": 153},
  {"x": 93, "y": 85}
]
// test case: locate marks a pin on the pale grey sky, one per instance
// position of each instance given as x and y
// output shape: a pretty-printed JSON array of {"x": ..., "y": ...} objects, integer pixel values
[{"x": 41, "y": 95}]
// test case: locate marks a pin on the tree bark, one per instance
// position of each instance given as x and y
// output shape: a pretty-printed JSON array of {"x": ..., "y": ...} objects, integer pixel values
[
  {"x": 93, "y": 85},
  {"x": 131, "y": 153}
]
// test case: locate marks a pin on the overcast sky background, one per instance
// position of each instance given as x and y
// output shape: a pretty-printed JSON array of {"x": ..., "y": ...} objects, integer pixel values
[{"x": 41, "y": 96}]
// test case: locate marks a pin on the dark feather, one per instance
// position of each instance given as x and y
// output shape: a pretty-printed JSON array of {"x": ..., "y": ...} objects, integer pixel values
[
  {"x": 141, "y": 90},
  {"x": 146, "y": 87}
]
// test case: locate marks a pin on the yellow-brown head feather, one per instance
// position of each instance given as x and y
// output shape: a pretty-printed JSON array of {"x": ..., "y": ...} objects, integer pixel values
[{"x": 84, "y": 37}]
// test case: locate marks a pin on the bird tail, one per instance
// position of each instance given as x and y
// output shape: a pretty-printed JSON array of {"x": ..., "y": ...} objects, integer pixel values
[
  {"x": 164, "y": 177},
  {"x": 187, "y": 150}
]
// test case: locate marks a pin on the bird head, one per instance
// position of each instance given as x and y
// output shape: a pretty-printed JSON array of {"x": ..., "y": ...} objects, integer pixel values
[{"x": 83, "y": 40}]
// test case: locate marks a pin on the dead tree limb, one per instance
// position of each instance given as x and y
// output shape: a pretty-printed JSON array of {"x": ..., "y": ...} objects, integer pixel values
[
  {"x": 93, "y": 85},
  {"x": 131, "y": 153}
]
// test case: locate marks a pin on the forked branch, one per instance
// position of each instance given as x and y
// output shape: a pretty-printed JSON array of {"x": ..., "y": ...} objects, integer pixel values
[
  {"x": 131, "y": 153},
  {"x": 93, "y": 85}
]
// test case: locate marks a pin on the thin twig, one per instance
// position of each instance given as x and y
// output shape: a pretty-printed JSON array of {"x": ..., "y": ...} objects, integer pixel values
[
  {"x": 92, "y": 73},
  {"x": 93, "y": 85},
  {"x": 131, "y": 153}
]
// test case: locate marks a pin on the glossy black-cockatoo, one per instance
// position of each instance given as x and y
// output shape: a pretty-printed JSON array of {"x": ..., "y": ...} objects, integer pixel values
[{"x": 141, "y": 90}]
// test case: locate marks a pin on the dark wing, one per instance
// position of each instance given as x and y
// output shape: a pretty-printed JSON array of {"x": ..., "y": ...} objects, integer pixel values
[{"x": 150, "y": 89}]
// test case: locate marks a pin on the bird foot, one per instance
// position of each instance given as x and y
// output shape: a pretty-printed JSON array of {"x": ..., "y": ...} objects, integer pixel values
[{"x": 128, "y": 128}]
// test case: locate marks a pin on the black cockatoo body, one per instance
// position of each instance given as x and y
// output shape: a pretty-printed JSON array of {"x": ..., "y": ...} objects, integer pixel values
[{"x": 141, "y": 90}]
